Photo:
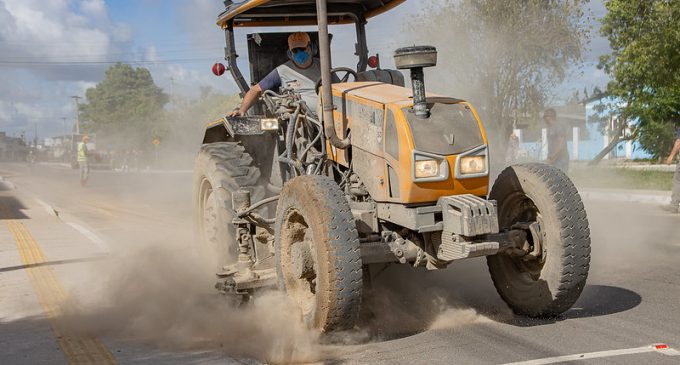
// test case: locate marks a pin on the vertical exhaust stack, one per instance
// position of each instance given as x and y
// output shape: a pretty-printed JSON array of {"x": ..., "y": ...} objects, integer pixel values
[{"x": 415, "y": 59}]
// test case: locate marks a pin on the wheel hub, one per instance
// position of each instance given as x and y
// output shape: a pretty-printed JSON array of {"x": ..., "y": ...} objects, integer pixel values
[
  {"x": 302, "y": 260},
  {"x": 298, "y": 261}
]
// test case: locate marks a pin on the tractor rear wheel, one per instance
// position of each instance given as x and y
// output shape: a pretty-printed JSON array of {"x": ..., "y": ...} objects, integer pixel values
[
  {"x": 222, "y": 168},
  {"x": 317, "y": 253},
  {"x": 550, "y": 284}
]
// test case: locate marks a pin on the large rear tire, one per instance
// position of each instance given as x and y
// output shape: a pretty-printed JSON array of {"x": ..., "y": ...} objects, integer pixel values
[
  {"x": 220, "y": 169},
  {"x": 317, "y": 253},
  {"x": 550, "y": 285}
]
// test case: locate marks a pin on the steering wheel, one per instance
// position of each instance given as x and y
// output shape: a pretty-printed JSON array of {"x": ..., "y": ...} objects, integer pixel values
[{"x": 338, "y": 70}]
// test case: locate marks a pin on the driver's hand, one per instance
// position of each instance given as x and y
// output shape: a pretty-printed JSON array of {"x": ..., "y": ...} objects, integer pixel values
[{"x": 236, "y": 113}]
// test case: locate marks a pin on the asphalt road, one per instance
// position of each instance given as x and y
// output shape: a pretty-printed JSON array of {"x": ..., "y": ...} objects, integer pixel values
[{"x": 109, "y": 273}]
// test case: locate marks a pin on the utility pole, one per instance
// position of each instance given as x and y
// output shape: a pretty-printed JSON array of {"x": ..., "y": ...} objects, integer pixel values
[
  {"x": 64, "y": 120},
  {"x": 75, "y": 99}
]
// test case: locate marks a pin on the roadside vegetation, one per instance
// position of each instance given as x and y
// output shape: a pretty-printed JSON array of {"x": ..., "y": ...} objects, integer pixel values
[
  {"x": 129, "y": 112},
  {"x": 530, "y": 47},
  {"x": 620, "y": 178},
  {"x": 644, "y": 67}
]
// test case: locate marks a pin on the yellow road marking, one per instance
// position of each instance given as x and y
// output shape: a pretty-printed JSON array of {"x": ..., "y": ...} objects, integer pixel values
[{"x": 52, "y": 297}]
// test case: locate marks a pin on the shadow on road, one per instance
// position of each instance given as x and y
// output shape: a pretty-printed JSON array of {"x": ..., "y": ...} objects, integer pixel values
[
  {"x": 11, "y": 208},
  {"x": 403, "y": 302},
  {"x": 51, "y": 263},
  {"x": 595, "y": 301}
]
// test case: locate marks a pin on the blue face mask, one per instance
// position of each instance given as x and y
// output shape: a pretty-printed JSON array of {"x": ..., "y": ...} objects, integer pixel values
[{"x": 301, "y": 57}]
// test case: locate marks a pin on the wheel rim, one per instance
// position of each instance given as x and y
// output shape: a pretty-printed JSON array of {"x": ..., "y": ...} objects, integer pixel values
[
  {"x": 516, "y": 208},
  {"x": 208, "y": 213},
  {"x": 298, "y": 262}
]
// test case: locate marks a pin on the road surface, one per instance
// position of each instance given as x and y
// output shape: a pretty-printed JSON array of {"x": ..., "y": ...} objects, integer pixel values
[{"x": 110, "y": 274}]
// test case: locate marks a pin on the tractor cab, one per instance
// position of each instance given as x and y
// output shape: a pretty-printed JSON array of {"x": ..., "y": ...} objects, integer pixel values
[{"x": 268, "y": 50}]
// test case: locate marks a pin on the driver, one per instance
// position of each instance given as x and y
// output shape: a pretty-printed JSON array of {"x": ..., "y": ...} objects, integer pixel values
[{"x": 300, "y": 73}]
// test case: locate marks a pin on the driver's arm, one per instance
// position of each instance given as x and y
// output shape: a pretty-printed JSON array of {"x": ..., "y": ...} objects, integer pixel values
[
  {"x": 270, "y": 82},
  {"x": 248, "y": 101}
]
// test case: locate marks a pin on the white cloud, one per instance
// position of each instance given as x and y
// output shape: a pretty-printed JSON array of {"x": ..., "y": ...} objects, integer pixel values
[
  {"x": 34, "y": 34},
  {"x": 94, "y": 8}
]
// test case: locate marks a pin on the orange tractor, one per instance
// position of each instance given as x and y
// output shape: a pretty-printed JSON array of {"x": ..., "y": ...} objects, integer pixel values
[{"x": 382, "y": 174}]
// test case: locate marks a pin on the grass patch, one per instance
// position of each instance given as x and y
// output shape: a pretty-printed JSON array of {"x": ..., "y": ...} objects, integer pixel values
[{"x": 621, "y": 178}]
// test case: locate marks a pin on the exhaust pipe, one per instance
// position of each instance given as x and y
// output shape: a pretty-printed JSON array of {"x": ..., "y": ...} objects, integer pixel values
[
  {"x": 325, "y": 55},
  {"x": 415, "y": 59}
]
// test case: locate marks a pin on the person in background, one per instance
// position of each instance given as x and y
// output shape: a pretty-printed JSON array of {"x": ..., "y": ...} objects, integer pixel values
[
  {"x": 30, "y": 158},
  {"x": 674, "y": 205},
  {"x": 512, "y": 150},
  {"x": 558, "y": 154},
  {"x": 83, "y": 156}
]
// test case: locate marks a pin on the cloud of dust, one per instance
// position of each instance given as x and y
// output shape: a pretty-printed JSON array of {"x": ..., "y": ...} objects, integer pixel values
[
  {"x": 455, "y": 317},
  {"x": 402, "y": 300},
  {"x": 162, "y": 294}
]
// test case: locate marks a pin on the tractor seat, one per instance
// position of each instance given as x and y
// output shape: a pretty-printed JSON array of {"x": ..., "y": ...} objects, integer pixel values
[{"x": 393, "y": 77}]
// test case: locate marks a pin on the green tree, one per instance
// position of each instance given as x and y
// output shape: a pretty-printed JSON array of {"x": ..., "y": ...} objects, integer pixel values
[
  {"x": 506, "y": 57},
  {"x": 125, "y": 108},
  {"x": 645, "y": 66}
]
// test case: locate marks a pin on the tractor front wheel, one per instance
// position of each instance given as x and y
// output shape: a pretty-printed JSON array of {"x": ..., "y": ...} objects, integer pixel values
[
  {"x": 317, "y": 251},
  {"x": 550, "y": 283}
]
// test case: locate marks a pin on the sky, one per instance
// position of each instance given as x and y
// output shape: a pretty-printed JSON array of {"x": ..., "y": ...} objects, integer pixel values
[{"x": 51, "y": 50}]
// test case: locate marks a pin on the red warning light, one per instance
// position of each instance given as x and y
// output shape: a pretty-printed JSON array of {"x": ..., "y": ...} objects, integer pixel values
[
  {"x": 661, "y": 346},
  {"x": 218, "y": 69},
  {"x": 374, "y": 61}
]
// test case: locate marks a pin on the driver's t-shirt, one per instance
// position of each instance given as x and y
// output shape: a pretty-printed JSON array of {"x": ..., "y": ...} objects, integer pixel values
[{"x": 301, "y": 80}]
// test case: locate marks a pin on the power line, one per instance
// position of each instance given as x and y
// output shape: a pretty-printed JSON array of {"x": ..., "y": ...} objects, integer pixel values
[
  {"x": 81, "y": 63},
  {"x": 192, "y": 51}
]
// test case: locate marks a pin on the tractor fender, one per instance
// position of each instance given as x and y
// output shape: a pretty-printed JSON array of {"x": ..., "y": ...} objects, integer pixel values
[{"x": 226, "y": 128}]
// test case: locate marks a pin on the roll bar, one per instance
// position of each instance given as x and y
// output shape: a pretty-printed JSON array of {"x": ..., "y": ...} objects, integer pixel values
[
  {"x": 230, "y": 56},
  {"x": 327, "y": 96}
]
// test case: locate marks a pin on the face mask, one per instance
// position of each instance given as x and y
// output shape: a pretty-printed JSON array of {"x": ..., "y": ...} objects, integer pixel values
[{"x": 301, "y": 58}]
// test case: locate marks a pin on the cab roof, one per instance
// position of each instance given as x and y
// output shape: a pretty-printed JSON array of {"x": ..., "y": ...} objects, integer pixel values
[{"x": 259, "y": 13}]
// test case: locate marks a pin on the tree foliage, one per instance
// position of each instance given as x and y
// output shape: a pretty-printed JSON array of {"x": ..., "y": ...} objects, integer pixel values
[
  {"x": 125, "y": 108},
  {"x": 506, "y": 57},
  {"x": 645, "y": 66}
]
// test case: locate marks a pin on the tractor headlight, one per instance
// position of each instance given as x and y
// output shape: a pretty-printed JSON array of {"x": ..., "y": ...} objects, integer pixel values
[
  {"x": 269, "y": 124},
  {"x": 472, "y": 165},
  {"x": 427, "y": 168}
]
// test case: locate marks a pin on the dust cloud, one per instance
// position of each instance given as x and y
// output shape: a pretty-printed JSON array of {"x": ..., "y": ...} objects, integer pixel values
[
  {"x": 163, "y": 295},
  {"x": 401, "y": 300}
]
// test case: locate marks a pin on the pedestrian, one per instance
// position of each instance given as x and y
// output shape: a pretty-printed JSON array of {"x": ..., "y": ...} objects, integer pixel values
[
  {"x": 558, "y": 154},
  {"x": 513, "y": 149},
  {"x": 83, "y": 156},
  {"x": 30, "y": 158},
  {"x": 673, "y": 207}
]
